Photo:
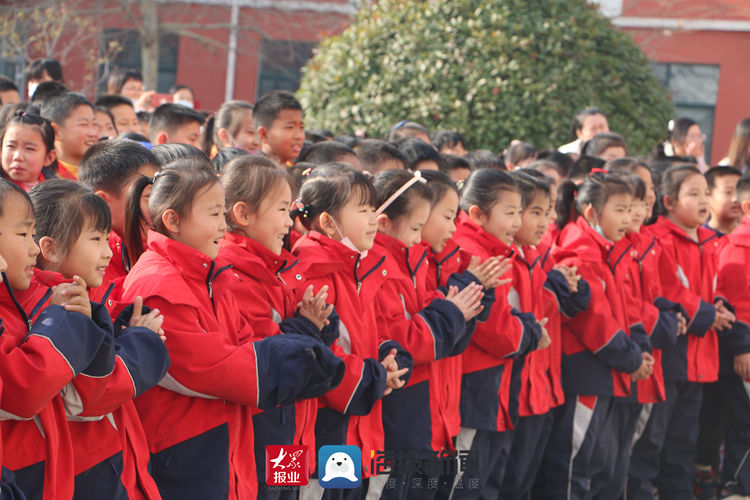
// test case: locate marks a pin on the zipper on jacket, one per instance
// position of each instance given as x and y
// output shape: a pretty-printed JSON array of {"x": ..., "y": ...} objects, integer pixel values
[
  {"x": 25, "y": 318},
  {"x": 359, "y": 281},
  {"x": 211, "y": 277}
]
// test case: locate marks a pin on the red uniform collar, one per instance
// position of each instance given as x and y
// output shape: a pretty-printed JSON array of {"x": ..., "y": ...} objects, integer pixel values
[
  {"x": 664, "y": 226},
  {"x": 254, "y": 259},
  {"x": 467, "y": 227}
]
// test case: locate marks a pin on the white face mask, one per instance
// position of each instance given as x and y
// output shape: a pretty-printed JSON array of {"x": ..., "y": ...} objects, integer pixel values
[
  {"x": 347, "y": 242},
  {"x": 598, "y": 228},
  {"x": 187, "y": 104},
  {"x": 32, "y": 88}
]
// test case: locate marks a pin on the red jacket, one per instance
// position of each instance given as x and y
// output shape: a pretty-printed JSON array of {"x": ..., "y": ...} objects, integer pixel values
[
  {"x": 493, "y": 360},
  {"x": 598, "y": 354},
  {"x": 430, "y": 328},
  {"x": 218, "y": 376},
  {"x": 687, "y": 271},
  {"x": 102, "y": 418},
  {"x": 39, "y": 358},
  {"x": 350, "y": 414},
  {"x": 119, "y": 265}
]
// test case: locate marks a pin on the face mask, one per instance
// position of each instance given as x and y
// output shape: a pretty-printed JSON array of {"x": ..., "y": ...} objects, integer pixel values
[
  {"x": 32, "y": 88},
  {"x": 596, "y": 227},
  {"x": 347, "y": 242},
  {"x": 187, "y": 104}
]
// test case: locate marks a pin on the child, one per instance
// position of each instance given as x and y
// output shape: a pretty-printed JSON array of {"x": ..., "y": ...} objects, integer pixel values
[
  {"x": 72, "y": 118},
  {"x": 419, "y": 155},
  {"x": 218, "y": 375},
  {"x": 545, "y": 295},
  {"x": 449, "y": 142},
  {"x": 733, "y": 270},
  {"x": 105, "y": 123},
  {"x": 599, "y": 359},
  {"x": 607, "y": 146},
  {"x": 432, "y": 326},
  {"x": 725, "y": 210},
  {"x": 489, "y": 218},
  {"x": 43, "y": 350},
  {"x": 110, "y": 169},
  {"x": 663, "y": 455},
  {"x": 405, "y": 128},
  {"x": 28, "y": 150},
  {"x": 336, "y": 206},
  {"x": 110, "y": 450},
  {"x": 376, "y": 155},
  {"x": 173, "y": 123},
  {"x": 230, "y": 127},
  {"x": 123, "y": 112},
  {"x": 520, "y": 154},
  {"x": 259, "y": 198},
  {"x": 457, "y": 168},
  {"x": 8, "y": 91},
  {"x": 330, "y": 152},
  {"x": 279, "y": 126}
]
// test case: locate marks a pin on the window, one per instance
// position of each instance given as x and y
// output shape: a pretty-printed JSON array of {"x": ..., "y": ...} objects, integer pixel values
[
  {"x": 122, "y": 48},
  {"x": 281, "y": 62},
  {"x": 12, "y": 65},
  {"x": 694, "y": 88}
]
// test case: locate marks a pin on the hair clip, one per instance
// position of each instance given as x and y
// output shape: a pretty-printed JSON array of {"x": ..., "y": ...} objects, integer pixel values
[
  {"x": 400, "y": 124},
  {"x": 670, "y": 126},
  {"x": 156, "y": 176},
  {"x": 597, "y": 171},
  {"x": 301, "y": 209},
  {"x": 417, "y": 177},
  {"x": 460, "y": 184},
  {"x": 306, "y": 172}
]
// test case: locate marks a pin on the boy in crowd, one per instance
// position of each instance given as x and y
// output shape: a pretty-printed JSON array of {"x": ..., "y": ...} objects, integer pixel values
[
  {"x": 279, "y": 125},
  {"x": 331, "y": 151},
  {"x": 725, "y": 210},
  {"x": 376, "y": 156},
  {"x": 122, "y": 111},
  {"x": 72, "y": 117},
  {"x": 174, "y": 123},
  {"x": 8, "y": 91}
]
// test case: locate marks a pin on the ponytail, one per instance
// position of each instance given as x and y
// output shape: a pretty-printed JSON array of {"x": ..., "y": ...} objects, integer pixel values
[
  {"x": 565, "y": 205},
  {"x": 596, "y": 189},
  {"x": 135, "y": 221},
  {"x": 207, "y": 141}
]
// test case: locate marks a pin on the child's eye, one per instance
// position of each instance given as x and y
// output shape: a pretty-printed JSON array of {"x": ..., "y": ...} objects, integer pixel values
[{"x": 96, "y": 238}]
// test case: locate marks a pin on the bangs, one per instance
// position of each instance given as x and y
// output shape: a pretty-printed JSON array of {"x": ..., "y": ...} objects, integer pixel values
[
  {"x": 96, "y": 213},
  {"x": 363, "y": 191}
]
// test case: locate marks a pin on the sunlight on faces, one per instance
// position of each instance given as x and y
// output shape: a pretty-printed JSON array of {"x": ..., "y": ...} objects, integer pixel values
[
  {"x": 205, "y": 225},
  {"x": 614, "y": 218},
  {"x": 442, "y": 222},
  {"x": 78, "y": 133},
  {"x": 691, "y": 208},
  {"x": 638, "y": 211},
  {"x": 271, "y": 223},
  {"x": 534, "y": 220},
  {"x": 592, "y": 125},
  {"x": 458, "y": 149},
  {"x": 723, "y": 204},
  {"x": 285, "y": 137},
  {"x": 407, "y": 228},
  {"x": 612, "y": 153},
  {"x": 104, "y": 125},
  {"x": 132, "y": 89},
  {"x": 88, "y": 257},
  {"x": 17, "y": 245},
  {"x": 693, "y": 145},
  {"x": 648, "y": 180},
  {"x": 125, "y": 118},
  {"x": 459, "y": 174},
  {"x": 356, "y": 220},
  {"x": 24, "y": 153},
  {"x": 187, "y": 133},
  {"x": 504, "y": 218},
  {"x": 245, "y": 137}
]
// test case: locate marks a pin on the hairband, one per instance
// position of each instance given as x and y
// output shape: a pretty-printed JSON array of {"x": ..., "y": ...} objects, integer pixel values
[
  {"x": 417, "y": 177},
  {"x": 156, "y": 176},
  {"x": 597, "y": 171}
]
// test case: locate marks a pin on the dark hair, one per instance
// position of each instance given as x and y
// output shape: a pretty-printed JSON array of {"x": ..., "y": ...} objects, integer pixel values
[
  {"x": 298, "y": 174},
  {"x": 404, "y": 129},
  {"x": 439, "y": 183},
  {"x": 45, "y": 130},
  {"x": 119, "y": 77},
  {"x": 109, "y": 166},
  {"x": 326, "y": 152},
  {"x": 174, "y": 188},
  {"x": 135, "y": 136},
  {"x": 229, "y": 116},
  {"x": 106, "y": 111},
  {"x": 580, "y": 117},
  {"x": 179, "y": 86},
  {"x": 743, "y": 188},
  {"x": 678, "y": 129},
  {"x": 113, "y": 100},
  {"x": 739, "y": 148},
  {"x": 484, "y": 158},
  {"x": 601, "y": 142},
  {"x": 143, "y": 116},
  {"x": 224, "y": 156},
  {"x": 483, "y": 187},
  {"x": 373, "y": 152},
  {"x": 416, "y": 151},
  {"x": 323, "y": 132},
  {"x": 167, "y": 153},
  {"x": 328, "y": 188},
  {"x": 388, "y": 182},
  {"x": 314, "y": 138},
  {"x": 583, "y": 165},
  {"x": 595, "y": 191},
  {"x": 563, "y": 161},
  {"x": 48, "y": 89},
  {"x": 57, "y": 108},
  {"x": 530, "y": 185},
  {"x": 519, "y": 152},
  {"x": 250, "y": 179},
  {"x": 672, "y": 179},
  {"x": 714, "y": 173},
  {"x": 541, "y": 166},
  {"x": 270, "y": 104},
  {"x": 62, "y": 208},
  {"x": 37, "y": 67},
  {"x": 9, "y": 111},
  {"x": 7, "y": 84},
  {"x": 449, "y": 162},
  {"x": 637, "y": 186},
  {"x": 348, "y": 140},
  {"x": 7, "y": 187},
  {"x": 169, "y": 117},
  {"x": 449, "y": 138}
]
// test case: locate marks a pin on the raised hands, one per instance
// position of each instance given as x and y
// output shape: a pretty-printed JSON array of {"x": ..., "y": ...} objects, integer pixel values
[
  {"x": 468, "y": 300},
  {"x": 489, "y": 271},
  {"x": 314, "y": 307},
  {"x": 393, "y": 374},
  {"x": 571, "y": 275},
  {"x": 152, "y": 320},
  {"x": 72, "y": 296}
]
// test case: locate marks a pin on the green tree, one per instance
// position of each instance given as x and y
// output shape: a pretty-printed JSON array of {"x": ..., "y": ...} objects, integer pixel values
[{"x": 493, "y": 70}]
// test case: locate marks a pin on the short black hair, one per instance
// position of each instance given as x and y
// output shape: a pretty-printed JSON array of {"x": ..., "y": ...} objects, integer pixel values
[
  {"x": 714, "y": 173},
  {"x": 374, "y": 152},
  {"x": 743, "y": 188},
  {"x": 169, "y": 117},
  {"x": 416, "y": 151},
  {"x": 270, "y": 104},
  {"x": 119, "y": 76},
  {"x": 167, "y": 153},
  {"x": 563, "y": 161},
  {"x": 449, "y": 138},
  {"x": 38, "y": 67},
  {"x": 583, "y": 166},
  {"x": 110, "y": 101},
  {"x": 484, "y": 158},
  {"x": 109, "y": 165},
  {"x": 7, "y": 84},
  {"x": 326, "y": 152},
  {"x": 449, "y": 162},
  {"x": 133, "y": 136},
  {"x": 224, "y": 156},
  {"x": 57, "y": 108},
  {"x": 179, "y": 86},
  {"x": 47, "y": 89},
  {"x": 405, "y": 128}
]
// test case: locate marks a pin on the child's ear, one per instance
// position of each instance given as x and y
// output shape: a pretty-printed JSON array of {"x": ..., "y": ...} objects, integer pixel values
[
  {"x": 104, "y": 196},
  {"x": 50, "y": 157},
  {"x": 325, "y": 222},
  {"x": 384, "y": 223},
  {"x": 476, "y": 214},
  {"x": 223, "y": 136},
  {"x": 668, "y": 202},
  {"x": 56, "y": 128},
  {"x": 49, "y": 250},
  {"x": 588, "y": 213},
  {"x": 241, "y": 213},
  {"x": 745, "y": 207},
  {"x": 171, "y": 221},
  {"x": 161, "y": 138},
  {"x": 262, "y": 133}
]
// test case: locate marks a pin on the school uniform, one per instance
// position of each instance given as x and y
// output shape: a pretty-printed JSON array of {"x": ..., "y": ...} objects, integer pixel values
[
  {"x": 110, "y": 452},
  {"x": 546, "y": 295},
  {"x": 39, "y": 359},
  {"x": 198, "y": 421},
  {"x": 266, "y": 300},
  {"x": 119, "y": 265},
  {"x": 597, "y": 358},
  {"x": 734, "y": 272},
  {"x": 492, "y": 365},
  {"x": 664, "y": 454},
  {"x": 352, "y": 413}
]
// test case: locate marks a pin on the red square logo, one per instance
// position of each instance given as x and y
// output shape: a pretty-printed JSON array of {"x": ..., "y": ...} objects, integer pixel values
[{"x": 286, "y": 465}]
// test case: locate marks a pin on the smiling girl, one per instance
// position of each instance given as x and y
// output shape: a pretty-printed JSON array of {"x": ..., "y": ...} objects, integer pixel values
[{"x": 28, "y": 149}]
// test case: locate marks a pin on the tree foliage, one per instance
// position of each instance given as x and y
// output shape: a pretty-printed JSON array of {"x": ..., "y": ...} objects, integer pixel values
[{"x": 493, "y": 70}]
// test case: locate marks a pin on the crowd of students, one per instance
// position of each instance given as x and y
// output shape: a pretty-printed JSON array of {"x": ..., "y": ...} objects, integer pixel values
[{"x": 176, "y": 299}]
